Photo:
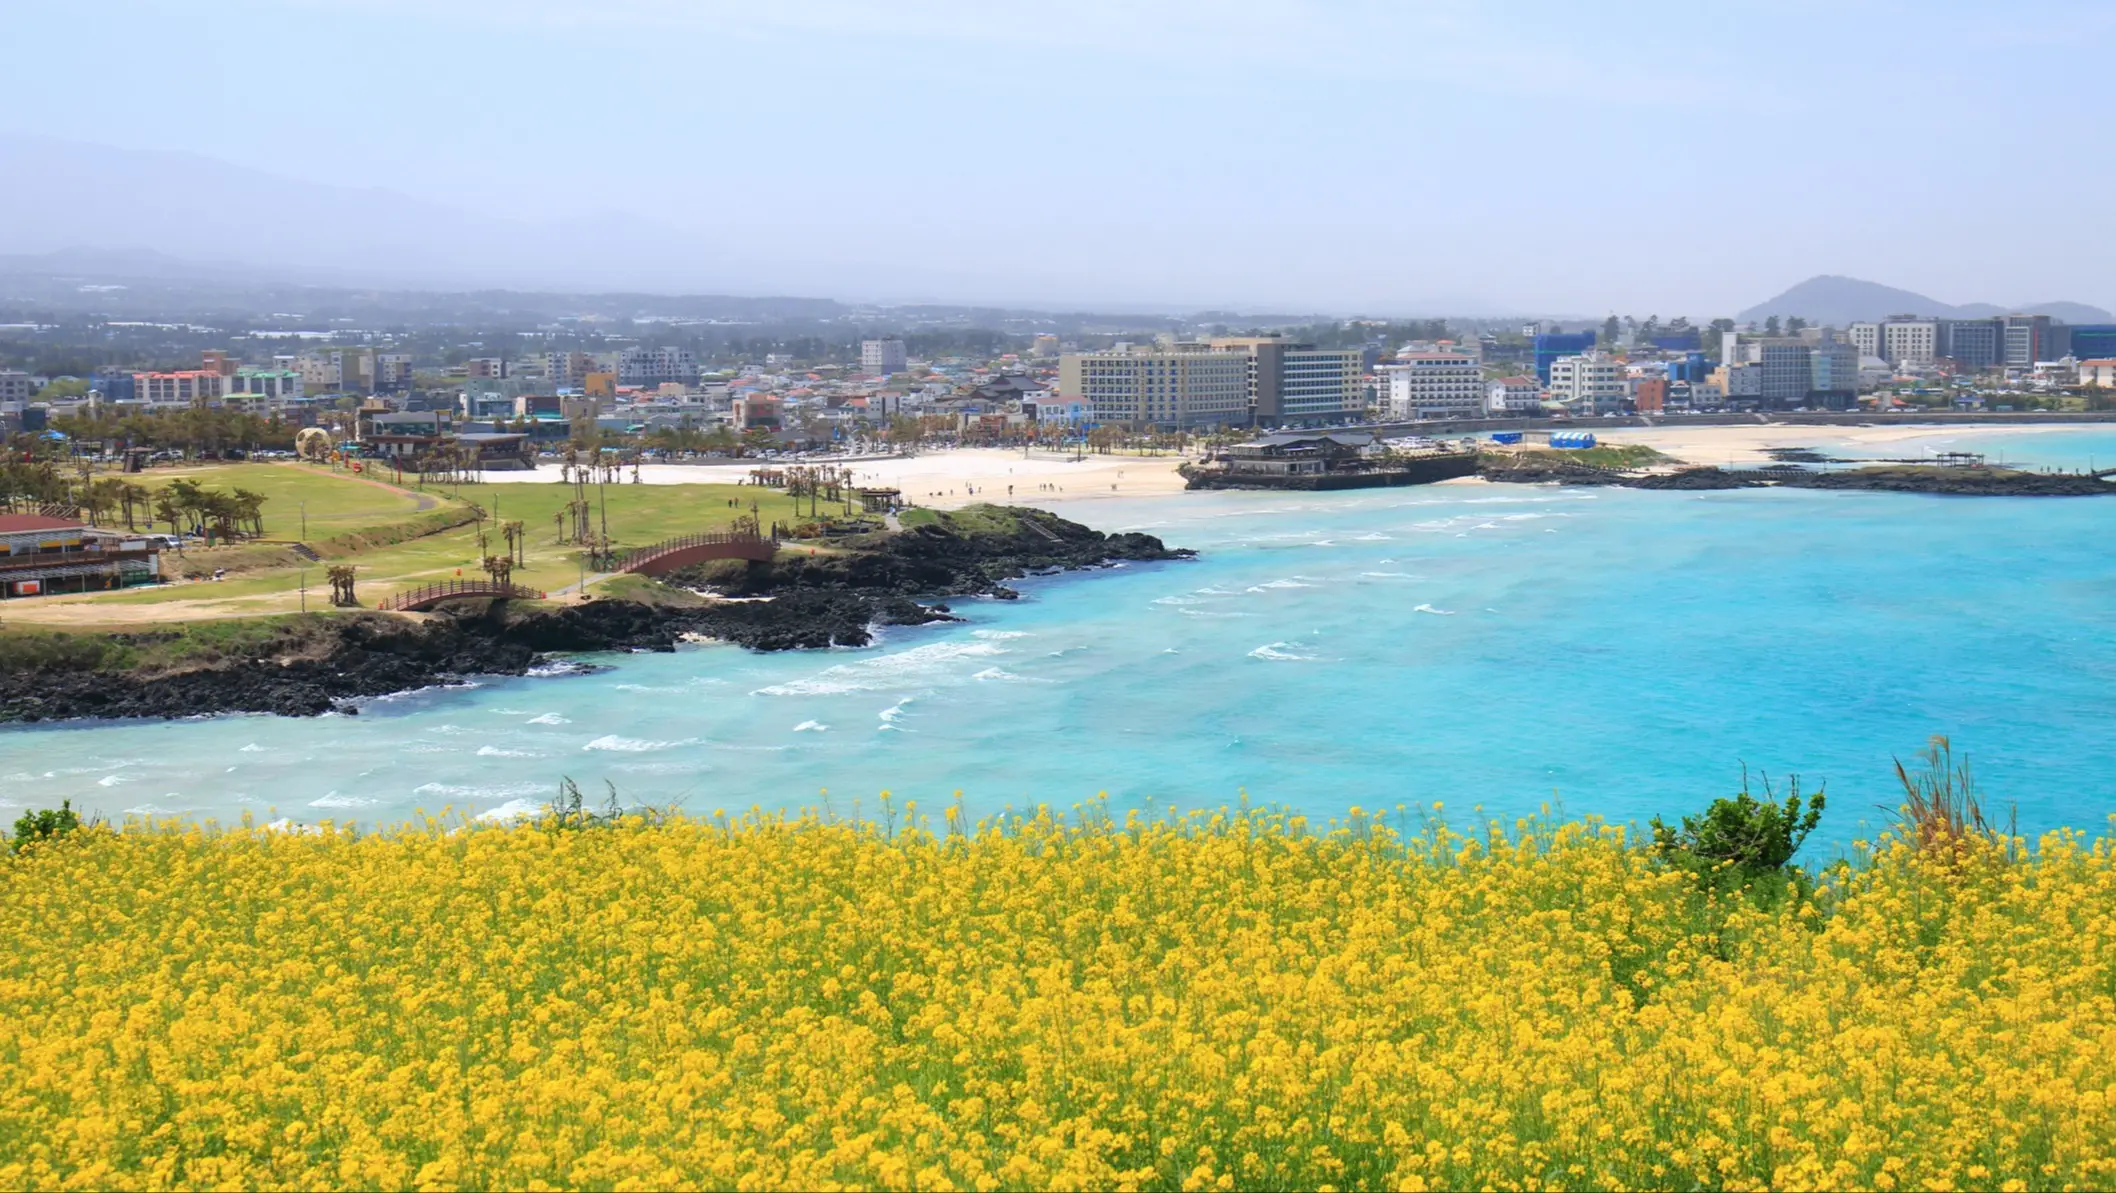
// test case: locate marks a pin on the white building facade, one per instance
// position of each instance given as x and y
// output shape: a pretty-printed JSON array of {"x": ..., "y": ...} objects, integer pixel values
[
  {"x": 1590, "y": 384},
  {"x": 1431, "y": 385}
]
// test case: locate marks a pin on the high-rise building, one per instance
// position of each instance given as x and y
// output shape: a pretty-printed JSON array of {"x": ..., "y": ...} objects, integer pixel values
[
  {"x": 1972, "y": 343},
  {"x": 1225, "y": 382},
  {"x": 882, "y": 358},
  {"x": 14, "y": 385},
  {"x": 1431, "y": 385},
  {"x": 1865, "y": 337},
  {"x": 1910, "y": 341},
  {"x": 1833, "y": 373},
  {"x": 1549, "y": 346},
  {"x": 2031, "y": 338}
]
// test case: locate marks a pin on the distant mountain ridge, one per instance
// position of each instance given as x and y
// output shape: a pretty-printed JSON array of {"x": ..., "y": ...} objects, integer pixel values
[{"x": 1837, "y": 301}]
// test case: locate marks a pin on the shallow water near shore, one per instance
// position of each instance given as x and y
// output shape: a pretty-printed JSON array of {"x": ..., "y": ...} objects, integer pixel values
[{"x": 1606, "y": 652}]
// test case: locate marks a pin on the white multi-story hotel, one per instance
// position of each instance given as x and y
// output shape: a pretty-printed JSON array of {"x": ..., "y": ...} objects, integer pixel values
[
  {"x": 1591, "y": 383},
  {"x": 1431, "y": 385}
]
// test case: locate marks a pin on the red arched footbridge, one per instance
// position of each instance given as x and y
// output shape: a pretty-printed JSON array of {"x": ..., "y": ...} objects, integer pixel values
[
  {"x": 667, "y": 556},
  {"x": 433, "y": 594}
]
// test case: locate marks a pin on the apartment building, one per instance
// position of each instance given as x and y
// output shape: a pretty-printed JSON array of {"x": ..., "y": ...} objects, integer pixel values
[
  {"x": 485, "y": 368},
  {"x": 14, "y": 386},
  {"x": 882, "y": 358},
  {"x": 1431, "y": 385},
  {"x": 1590, "y": 383},
  {"x": 657, "y": 366},
  {"x": 567, "y": 370},
  {"x": 392, "y": 371}
]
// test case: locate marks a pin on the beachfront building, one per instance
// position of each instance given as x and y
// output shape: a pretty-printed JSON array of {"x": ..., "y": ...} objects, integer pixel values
[
  {"x": 1234, "y": 381},
  {"x": 1513, "y": 396},
  {"x": 1430, "y": 385},
  {"x": 2098, "y": 374},
  {"x": 1591, "y": 383},
  {"x": 41, "y": 555},
  {"x": 1183, "y": 387},
  {"x": 1298, "y": 453}
]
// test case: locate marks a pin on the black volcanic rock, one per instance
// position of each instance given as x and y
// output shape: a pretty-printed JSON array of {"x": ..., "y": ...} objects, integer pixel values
[{"x": 308, "y": 665}]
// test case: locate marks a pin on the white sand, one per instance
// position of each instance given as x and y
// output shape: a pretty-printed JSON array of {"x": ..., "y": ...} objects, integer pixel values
[
  {"x": 1747, "y": 445},
  {"x": 944, "y": 479}
]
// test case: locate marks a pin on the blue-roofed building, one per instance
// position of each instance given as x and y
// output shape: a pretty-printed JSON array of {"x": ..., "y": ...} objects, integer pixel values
[
  {"x": 1679, "y": 341},
  {"x": 1691, "y": 368},
  {"x": 1552, "y": 345}
]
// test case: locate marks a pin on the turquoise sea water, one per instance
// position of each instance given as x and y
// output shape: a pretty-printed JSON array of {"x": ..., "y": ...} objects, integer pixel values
[{"x": 1618, "y": 653}]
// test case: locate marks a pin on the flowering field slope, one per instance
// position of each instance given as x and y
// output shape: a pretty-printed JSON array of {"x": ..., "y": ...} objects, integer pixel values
[{"x": 1206, "y": 1003}]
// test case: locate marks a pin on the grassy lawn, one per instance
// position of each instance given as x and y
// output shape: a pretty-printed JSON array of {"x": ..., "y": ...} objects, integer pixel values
[
  {"x": 336, "y": 502},
  {"x": 339, "y": 506}
]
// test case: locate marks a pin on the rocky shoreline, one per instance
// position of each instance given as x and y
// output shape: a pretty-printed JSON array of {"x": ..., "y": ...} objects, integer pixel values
[{"x": 308, "y": 665}]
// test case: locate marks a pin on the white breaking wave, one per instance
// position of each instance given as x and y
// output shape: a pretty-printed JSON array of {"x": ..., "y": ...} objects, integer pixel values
[
  {"x": 999, "y": 635},
  {"x": 252, "y": 748},
  {"x": 633, "y": 745},
  {"x": 810, "y": 727},
  {"x": 453, "y": 791},
  {"x": 497, "y": 752},
  {"x": 919, "y": 666},
  {"x": 158, "y": 810},
  {"x": 1293, "y": 582},
  {"x": 1430, "y": 609},
  {"x": 550, "y": 718},
  {"x": 1281, "y": 652},
  {"x": 1003, "y": 674},
  {"x": 1388, "y": 575},
  {"x": 512, "y": 810},
  {"x": 335, "y": 800},
  {"x": 113, "y": 780}
]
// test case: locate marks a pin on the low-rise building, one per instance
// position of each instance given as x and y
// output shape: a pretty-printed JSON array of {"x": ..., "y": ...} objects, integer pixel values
[
  {"x": 41, "y": 555},
  {"x": 2098, "y": 374},
  {"x": 1513, "y": 396}
]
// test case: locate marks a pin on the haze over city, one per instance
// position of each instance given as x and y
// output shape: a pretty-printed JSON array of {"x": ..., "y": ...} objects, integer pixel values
[{"x": 1439, "y": 158}]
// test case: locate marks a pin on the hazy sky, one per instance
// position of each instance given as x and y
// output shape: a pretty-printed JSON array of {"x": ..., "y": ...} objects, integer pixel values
[{"x": 1524, "y": 155}]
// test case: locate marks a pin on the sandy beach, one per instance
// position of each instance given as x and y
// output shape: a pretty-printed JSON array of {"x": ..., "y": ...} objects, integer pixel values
[
  {"x": 1746, "y": 445},
  {"x": 946, "y": 479}
]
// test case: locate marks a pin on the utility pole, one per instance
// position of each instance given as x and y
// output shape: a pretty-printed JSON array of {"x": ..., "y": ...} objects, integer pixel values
[{"x": 304, "y": 522}]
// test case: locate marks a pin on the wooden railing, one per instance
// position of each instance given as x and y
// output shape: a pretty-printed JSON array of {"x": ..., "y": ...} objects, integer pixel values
[
  {"x": 634, "y": 560},
  {"x": 420, "y": 597}
]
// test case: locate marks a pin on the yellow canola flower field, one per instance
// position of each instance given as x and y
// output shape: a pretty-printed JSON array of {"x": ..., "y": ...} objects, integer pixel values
[{"x": 1220, "y": 1001}]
